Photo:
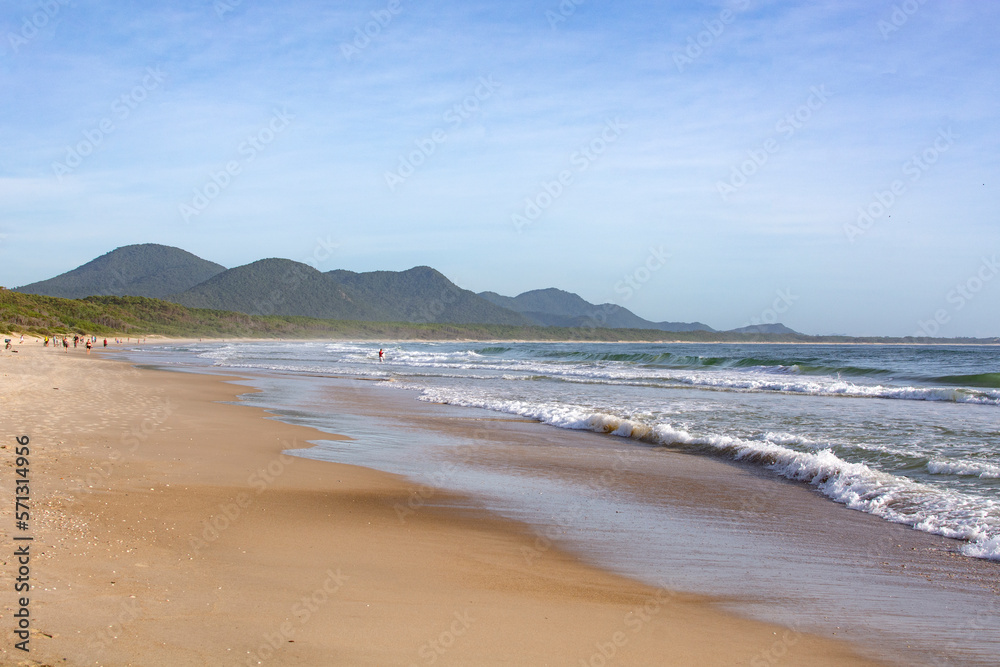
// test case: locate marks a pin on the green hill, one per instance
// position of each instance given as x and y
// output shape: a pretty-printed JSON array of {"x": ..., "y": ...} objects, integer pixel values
[
  {"x": 556, "y": 307},
  {"x": 422, "y": 294},
  {"x": 277, "y": 287},
  {"x": 148, "y": 269},
  {"x": 776, "y": 328}
]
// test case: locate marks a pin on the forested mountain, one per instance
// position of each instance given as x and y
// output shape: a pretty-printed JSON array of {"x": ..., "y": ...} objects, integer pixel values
[
  {"x": 277, "y": 287},
  {"x": 558, "y": 308},
  {"x": 147, "y": 269},
  {"x": 283, "y": 287},
  {"x": 422, "y": 294}
]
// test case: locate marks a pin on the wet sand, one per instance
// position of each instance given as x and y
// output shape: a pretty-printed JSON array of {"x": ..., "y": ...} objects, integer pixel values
[
  {"x": 763, "y": 546},
  {"x": 170, "y": 528}
]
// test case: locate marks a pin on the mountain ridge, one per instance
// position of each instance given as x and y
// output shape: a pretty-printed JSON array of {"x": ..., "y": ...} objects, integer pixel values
[
  {"x": 423, "y": 294},
  {"x": 144, "y": 269},
  {"x": 276, "y": 286},
  {"x": 555, "y": 307}
]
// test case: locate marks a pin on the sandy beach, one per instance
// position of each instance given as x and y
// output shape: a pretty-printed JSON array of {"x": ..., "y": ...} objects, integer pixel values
[{"x": 170, "y": 529}]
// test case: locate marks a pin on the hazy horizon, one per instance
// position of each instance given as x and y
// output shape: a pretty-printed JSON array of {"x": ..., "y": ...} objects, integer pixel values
[{"x": 714, "y": 163}]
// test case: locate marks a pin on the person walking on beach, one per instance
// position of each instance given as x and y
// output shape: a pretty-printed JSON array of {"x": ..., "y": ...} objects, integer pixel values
[
  {"x": 381, "y": 355},
  {"x": 105, "y": 342},
  {"x": 89, "y": 345}
]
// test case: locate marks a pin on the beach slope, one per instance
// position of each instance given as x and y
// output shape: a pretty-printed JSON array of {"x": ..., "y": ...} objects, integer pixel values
[{"x": 169, "y": 528}]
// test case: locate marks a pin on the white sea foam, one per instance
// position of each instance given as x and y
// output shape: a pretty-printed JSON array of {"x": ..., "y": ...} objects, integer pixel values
[
  {"x": 966, "y": 468},
  {"x": 942, "y": 511},
  {"x": 789, "y": 439},
  {"x": 753, "y": 379},
  {"x": 835, "y": 387},
  {"x": 988, "y": 548}
]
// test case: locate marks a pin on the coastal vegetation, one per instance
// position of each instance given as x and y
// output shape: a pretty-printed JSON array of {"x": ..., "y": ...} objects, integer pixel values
[{"x": 135, "y": 316}]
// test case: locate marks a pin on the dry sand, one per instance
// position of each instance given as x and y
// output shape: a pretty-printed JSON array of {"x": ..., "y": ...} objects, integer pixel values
[{"x": 170, "y": 529}]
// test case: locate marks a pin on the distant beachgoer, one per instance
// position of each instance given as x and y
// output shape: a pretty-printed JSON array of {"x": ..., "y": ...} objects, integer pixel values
[
  {"x": 46, "y": 341},
  {"x": 89, "y": 345},
  {"x": 381, "y": 354},
  {"x": 66, "y": 343},
  {"x": 105, "y": 342}
]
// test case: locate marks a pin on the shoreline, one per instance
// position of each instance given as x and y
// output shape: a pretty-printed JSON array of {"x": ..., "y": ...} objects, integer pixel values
[
  {"x": 157, "y": 339},
  {"x": 199, "y": 541},
  {"x": 164, "y": 339}
]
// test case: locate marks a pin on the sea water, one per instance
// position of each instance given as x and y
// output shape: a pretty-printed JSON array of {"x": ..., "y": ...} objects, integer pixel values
[{"x": 908, "y": 433}]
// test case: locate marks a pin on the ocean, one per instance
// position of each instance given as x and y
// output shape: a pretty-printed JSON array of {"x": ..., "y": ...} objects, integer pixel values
[{"x": 907, "y": 434}]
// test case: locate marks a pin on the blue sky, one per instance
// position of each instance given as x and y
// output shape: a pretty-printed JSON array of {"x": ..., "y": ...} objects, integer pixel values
[{"x": 832, "y": 165}]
